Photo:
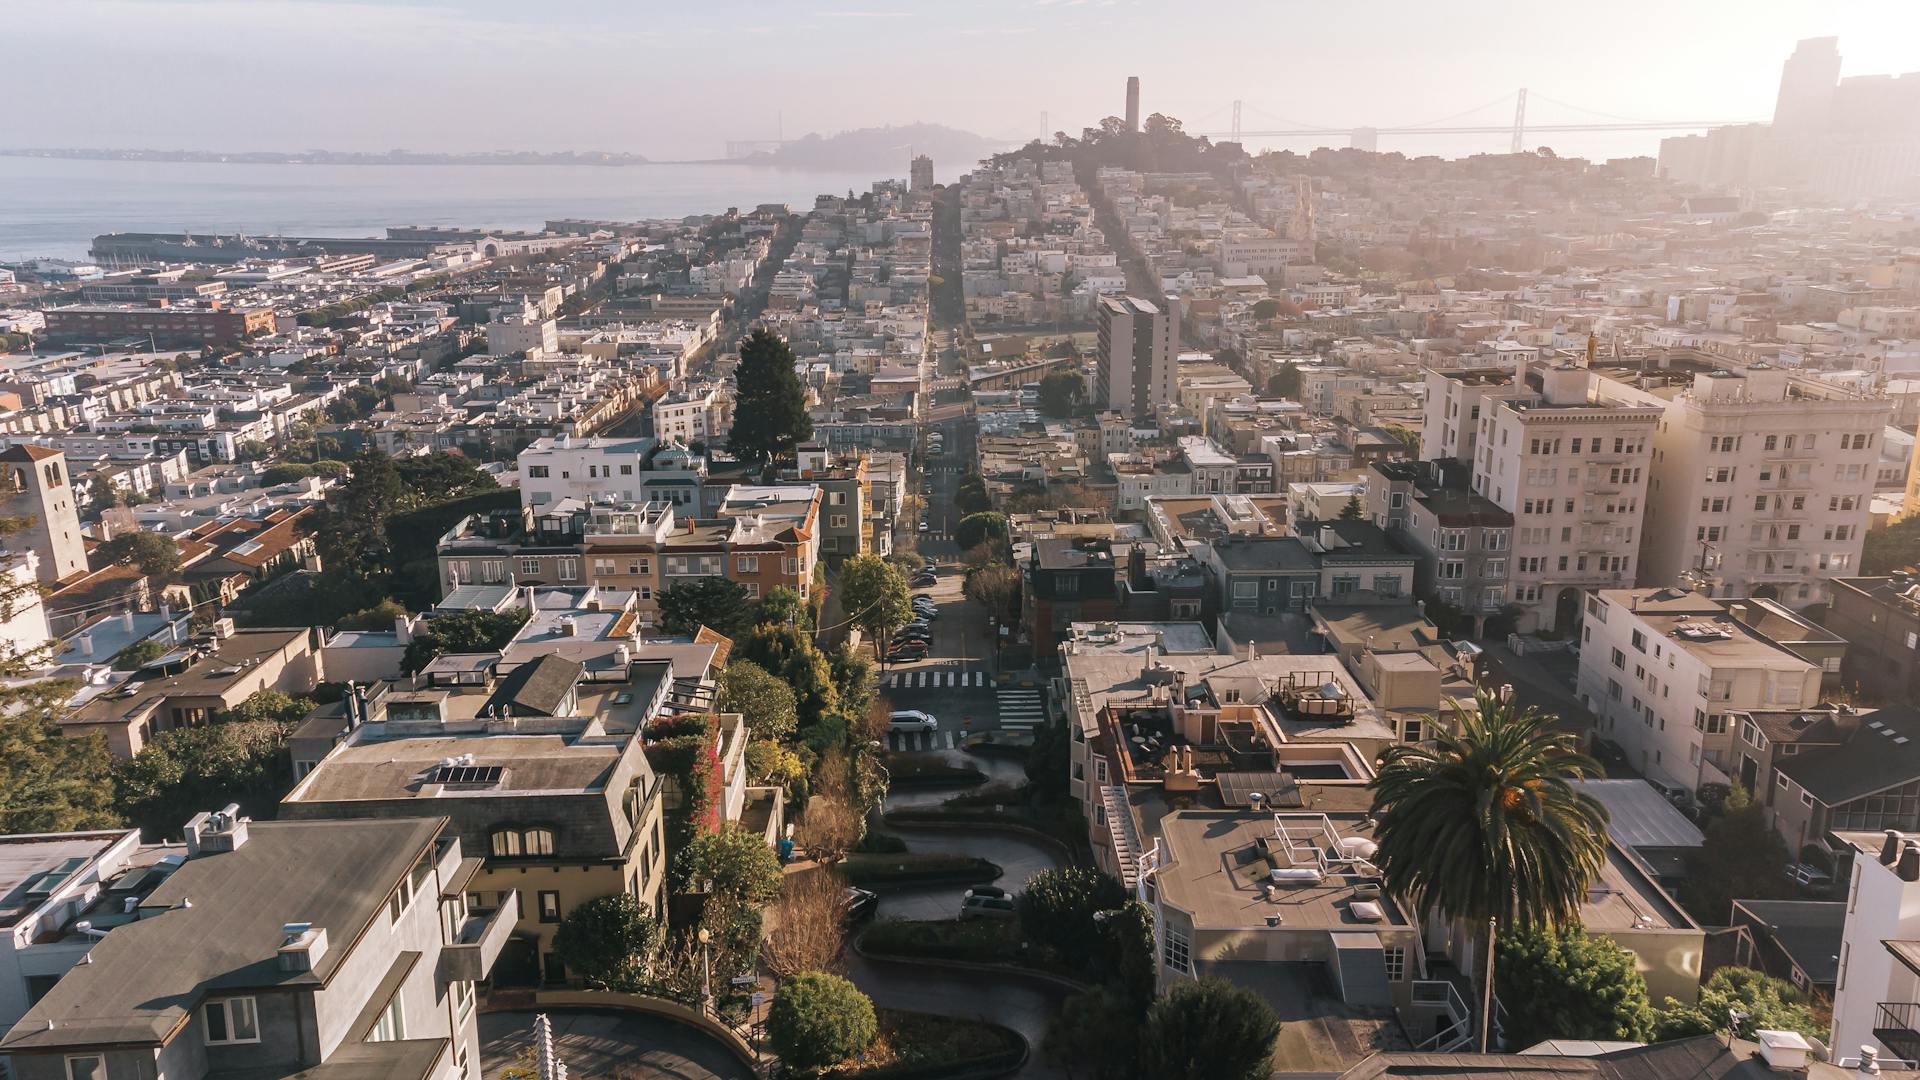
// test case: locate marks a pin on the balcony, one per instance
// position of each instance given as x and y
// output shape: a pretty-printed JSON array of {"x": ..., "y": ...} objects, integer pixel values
[
  {"x": 479, "y": 939},
  {"x": 1897, "y": 1026}
]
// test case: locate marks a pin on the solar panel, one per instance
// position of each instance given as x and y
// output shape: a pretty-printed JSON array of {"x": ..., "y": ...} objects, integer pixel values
[{"x": 467, "y": 774}]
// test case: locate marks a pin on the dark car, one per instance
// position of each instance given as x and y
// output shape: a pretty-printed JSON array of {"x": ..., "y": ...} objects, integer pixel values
[
  {"x": 858, "y": 905},
  {"x": 908, "y": 650}
]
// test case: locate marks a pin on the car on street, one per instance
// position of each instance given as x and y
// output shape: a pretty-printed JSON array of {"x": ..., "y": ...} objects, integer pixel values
[
  {"x": 987, "y": 907},
  {"x": 858, "y": 905},
  {"x": 988, "y": 890},
  {"x": 907, "y": 651},
  {"x": 925, "y": 581},
  {"x": 912, "y": 720}
]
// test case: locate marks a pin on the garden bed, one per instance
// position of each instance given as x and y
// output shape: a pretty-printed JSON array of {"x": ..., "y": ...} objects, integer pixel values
[
  {"x": 980, "y": 941},
  {"x": 917, "y": 868},
  {"x": 919, "y": 771},
  {"x": 924, "y": 1046}
]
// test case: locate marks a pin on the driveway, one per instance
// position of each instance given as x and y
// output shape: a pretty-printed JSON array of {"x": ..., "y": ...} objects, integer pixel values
[{"x": 633, "y": 1046}]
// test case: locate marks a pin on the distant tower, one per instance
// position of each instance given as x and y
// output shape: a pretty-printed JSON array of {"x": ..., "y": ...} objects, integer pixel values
[
  {"x": 1133, "y": 103},
  {"x": 1807, "y": 80},
  {"x": 37, "y": 486},
  {"x": 921, "y": 174}
]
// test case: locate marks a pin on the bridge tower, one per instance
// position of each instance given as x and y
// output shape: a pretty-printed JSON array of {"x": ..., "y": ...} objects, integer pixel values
[
  {"x": 1520, "y": 122},
  {"x": 1236, "y": 119}
]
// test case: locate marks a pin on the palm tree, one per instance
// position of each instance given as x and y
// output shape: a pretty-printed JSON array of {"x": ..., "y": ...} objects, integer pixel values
[{"x": 1485, "y": 828}]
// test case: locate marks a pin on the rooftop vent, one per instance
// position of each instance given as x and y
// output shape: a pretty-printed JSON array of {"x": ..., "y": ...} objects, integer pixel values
[
  {"x": 1784, "y": 1051},
  {"x": 301, "y": 946}
]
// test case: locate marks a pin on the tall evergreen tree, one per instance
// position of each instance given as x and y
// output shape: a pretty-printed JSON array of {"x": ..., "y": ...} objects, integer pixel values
[{"x": 770, "y": 405}]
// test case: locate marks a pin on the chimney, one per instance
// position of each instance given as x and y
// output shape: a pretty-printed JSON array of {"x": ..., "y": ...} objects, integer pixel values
[
  {"x": 301, "y": 946},
  {"x": 86, "y": 645},
  {"x": 1890, "y": 847},
  {"x": 403, "y": 629},
  {"x": 223, "y": 830},
  {"x": 1909, "y": 865},
  {"x": 1738, "y": 611},
  {"x": 126, "y": 620}
]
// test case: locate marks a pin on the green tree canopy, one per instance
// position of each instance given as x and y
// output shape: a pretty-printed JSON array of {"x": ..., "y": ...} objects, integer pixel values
[
  {"x": 1266, "y": 309},
  {"x": 186, "y": 770},
  {"x": 975, "y": 529},
  {"x": 734, "y": 863},
  {"x": 971, "y": 497},
  {"x": 353, "y": 538},
  {"x": 768, "y": 704},
  {"x": 1285, "y": 382},
  {"x": 1567, "y": 984},
  {"x": 819, "y": 1020},
  {"x": 607, "y": 940},
  {"x": 790, "y": 655},
  {"x": 873, "y": 593},
  {"x": 1484, "y": 826},
  {"x": 1353, "y": 510},
  {"x": 285, "y": 473},
  {"x": 1769, "y": 1003},
  {"x": 1059, "y": 905},
  {"x": 271, "y": 707},
  {"x": 380, "y": 616},
  {"x": 783, "y": 605},
  {"x": 153, "y": 554},
  {"x": 717, "y": 603},
  {"x": 1094, "y": 1035},
  {"x": 50, "y": 782},
  {"x": 1743, "y": 857},
  {"x": 770, "y": 403},
  {"x": 1208, "y": 1029},
  {"x": 435, "y": 478},
  {"x": 462, "y": 632},
  {"x": 1059, "y": 392}
]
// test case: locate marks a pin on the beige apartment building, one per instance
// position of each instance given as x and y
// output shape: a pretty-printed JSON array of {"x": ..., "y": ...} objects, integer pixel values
[
  {"x": 1763, "y": 482},
  {"x": 1568, "y": 457}
]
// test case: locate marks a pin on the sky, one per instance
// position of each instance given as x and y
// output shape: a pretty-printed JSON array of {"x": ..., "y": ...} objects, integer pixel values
[{"x": 674, "y": 79}]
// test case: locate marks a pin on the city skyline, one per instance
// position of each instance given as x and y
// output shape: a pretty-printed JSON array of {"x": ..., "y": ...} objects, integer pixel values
[{"x": 498, "y": 76}]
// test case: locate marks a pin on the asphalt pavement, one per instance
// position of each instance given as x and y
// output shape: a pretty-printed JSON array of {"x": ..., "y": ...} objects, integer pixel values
[{"x": 631, "y": 1046}]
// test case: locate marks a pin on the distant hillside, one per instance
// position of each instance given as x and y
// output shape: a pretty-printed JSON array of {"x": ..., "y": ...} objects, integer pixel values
[{"x": 885, "y": 148}]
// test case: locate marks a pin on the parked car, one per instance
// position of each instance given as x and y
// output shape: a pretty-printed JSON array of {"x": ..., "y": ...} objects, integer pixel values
[
  {"x": 858, "y": 905},
  {"x": 912, "y": 720},
  {"x": 1810, "y": 879},
  {"x": 987, "y": 907},
  {"x": 908, "y": 650},
  {"x": 989, "y": 890}
]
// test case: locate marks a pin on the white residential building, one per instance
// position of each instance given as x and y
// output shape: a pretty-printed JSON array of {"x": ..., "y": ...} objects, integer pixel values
[
  {"x": 697, "y": 414},
  {"x": 1763, "y": 483},
  {"x": 566, "y": 467},
  {"x": 1569, "y": 461},
  {"x": 1876, "y": 997},
  {"x": 511, "y": 334},
  {"x": 1663, "y": 668}
]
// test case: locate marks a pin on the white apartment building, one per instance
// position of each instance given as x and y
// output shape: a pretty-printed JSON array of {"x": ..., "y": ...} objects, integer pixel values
[
  {"x": 697, "y": 414},
  {"x": 1762, "y": 483},
  {"x": 511, "y": 334},
  {"x": 565, "y": 467},
  {"x": 1570, "y": 463},
  {"x": 1876, "y": 997},
  {"x": 1139, "y": 350},
  {"x": 1662, "y": 668}
]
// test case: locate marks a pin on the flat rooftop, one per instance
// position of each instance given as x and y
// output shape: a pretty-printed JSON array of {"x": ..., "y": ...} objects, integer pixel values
[
  {"x": 1220, "y": 863},
  {"x": 33, "y": 866},
  {"x": 381, "y": 768}
]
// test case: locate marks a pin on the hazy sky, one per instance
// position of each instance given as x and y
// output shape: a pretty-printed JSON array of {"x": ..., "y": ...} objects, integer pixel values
[{"x": 674, "y": 78}]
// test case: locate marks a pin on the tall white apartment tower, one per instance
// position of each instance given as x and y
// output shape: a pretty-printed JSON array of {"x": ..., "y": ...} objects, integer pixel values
[
  {"x": 1569, "y": 462},
  {"x": 1139, "y": 351},
  {"x": 1762, "y": 483}
]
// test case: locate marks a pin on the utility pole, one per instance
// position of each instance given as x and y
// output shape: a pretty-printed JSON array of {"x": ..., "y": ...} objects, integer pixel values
[{"x": 1520, "y": 122}]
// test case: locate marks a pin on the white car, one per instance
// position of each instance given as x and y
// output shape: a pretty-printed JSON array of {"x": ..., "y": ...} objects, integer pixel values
[{"x": 912, "y": 720}]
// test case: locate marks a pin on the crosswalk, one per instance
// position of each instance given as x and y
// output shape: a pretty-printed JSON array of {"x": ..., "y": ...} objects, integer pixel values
[
  {"x": 908, "y": 741},
  {"x": 933, "y": 679},
  {"x": 1021, "y": 708}
]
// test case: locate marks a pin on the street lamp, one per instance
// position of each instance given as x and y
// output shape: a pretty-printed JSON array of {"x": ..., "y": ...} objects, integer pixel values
[{"x": 706, "y": 970}]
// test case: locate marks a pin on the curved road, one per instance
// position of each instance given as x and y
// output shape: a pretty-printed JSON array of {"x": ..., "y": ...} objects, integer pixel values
[{"x": 1025, "y": 1005}]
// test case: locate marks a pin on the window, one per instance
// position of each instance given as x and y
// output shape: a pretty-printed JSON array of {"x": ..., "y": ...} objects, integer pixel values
[
  {"x": 1176, "y": 952},
  {"x": 1619, "y": 659},
  {"x": 86, "y": 1067},
  {"x": 1395, "y": 958},
  {"x": 392, "y": 1025},
  {"x": 538, "y": 472},
  {"x": 748, "y": 564},
  {"x": 530, "y": 566},
  {"x": 549, "y": 906},
  {"x": 232, "y": 1020}
]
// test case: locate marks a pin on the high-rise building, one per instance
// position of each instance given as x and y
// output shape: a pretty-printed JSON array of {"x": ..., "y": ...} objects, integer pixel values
[
  {"x": 920, "y": 176},
  {"x": 1133, "y": 103},
  {"x": 37, "y": 486},
  {"x": 1807, "y": 80},
  {"x": 1139, "y": 347}
]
